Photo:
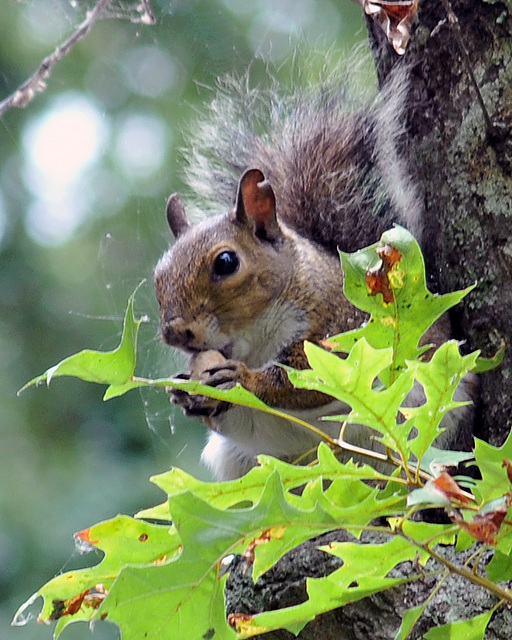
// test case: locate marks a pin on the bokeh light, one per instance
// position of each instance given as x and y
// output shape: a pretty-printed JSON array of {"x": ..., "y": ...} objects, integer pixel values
[{"x": 60, "y": 145}]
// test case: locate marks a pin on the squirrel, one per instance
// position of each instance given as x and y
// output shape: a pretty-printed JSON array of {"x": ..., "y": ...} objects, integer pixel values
[{"x": 241, "y": 291}]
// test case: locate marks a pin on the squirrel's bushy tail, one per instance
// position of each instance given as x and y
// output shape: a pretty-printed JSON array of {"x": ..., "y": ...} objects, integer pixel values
[{"x": 335, "y": 167}]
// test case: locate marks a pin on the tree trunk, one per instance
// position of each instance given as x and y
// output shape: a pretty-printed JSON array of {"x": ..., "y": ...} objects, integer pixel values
[{"x": 463, "y": 169}]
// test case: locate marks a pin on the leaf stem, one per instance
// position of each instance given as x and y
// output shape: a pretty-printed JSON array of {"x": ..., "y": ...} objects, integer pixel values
[
  {"x": 475, "y": 578},
  {"x": 218, "y": 394}
]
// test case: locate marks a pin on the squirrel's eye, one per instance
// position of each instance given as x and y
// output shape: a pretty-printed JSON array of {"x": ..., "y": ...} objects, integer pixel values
[{"x": 226, "y": 263}]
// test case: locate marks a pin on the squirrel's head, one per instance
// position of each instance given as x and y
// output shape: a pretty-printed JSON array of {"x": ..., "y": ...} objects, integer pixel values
[{"x": 223, "y": 273}]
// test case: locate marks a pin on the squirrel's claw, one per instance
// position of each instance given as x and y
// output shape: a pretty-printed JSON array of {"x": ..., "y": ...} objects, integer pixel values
[
  {"x": 223, "y": 376},
  {"x": 195, "y": 406},
  {"x": 177, "y": 396},
  {"x": 226, "y": 375}
]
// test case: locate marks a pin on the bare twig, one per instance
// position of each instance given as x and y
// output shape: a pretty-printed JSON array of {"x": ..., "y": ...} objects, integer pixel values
[
  {"x": 26, "y": 92},
  {"x": 502, "y": 593}
]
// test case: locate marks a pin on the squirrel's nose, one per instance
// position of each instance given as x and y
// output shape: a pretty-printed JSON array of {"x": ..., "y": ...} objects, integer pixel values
[{"x": 176, "y": 333}]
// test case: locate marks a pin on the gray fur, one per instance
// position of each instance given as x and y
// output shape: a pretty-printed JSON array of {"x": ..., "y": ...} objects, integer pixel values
[{"x": 330, "y": 162}]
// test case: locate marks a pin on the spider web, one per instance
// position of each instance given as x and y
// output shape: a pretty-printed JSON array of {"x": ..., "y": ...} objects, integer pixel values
[{"x": 137, "y": 12}]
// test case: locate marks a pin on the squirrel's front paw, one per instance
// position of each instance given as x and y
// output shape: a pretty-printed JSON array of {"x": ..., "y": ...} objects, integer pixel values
[
  {"x": 227, "y": 375},
  {"x": 179, "y": 397},
  {"x": 205, "y": 367},
  {"x": 202, "y": 407},
  {"x": 196, "y": 406},
  {"x": 221, "y": 376}
]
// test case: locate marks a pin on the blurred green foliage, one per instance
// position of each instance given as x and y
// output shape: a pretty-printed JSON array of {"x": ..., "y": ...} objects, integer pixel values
[{"x": 84, "y": 173}]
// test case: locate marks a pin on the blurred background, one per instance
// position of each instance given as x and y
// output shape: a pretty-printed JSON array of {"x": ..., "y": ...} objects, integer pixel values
[{"x": 85, "y": 171}]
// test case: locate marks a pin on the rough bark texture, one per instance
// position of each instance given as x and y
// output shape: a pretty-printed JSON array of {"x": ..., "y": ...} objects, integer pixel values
[
  {"x": 465, "y": 174},
  {"x": 377, "y": 617}
]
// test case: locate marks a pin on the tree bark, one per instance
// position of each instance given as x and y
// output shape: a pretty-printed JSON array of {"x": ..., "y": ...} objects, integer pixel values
[
  {"x": 463, "y": 168},
  {"x": 377, "y": 617}
]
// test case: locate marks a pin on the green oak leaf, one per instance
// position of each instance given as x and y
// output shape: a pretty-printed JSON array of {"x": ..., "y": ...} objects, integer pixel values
[
  {"x": 352, "y": 380},
  {"x": 444, "y": 458},
  {"x": 489, "y": 460},
  {"x": 123, "y": 540},
  {"x": 426, "y": 532},
  {"x": 234, "y": 493},
  {"x": 183, "y": 598},
  {"x": 402, "y": 322},
  {"x": 369, "y": 562},
  {"x": 439, "y": 379},
  {"x": 472, "y": 629},
  {"x": 499, "y": 568},
  {"x": 488, "y": 364},
  {"x": 353, "y": 507},
  {"x": 409, "y": 619},
  {"x": 103, "y": 367}
]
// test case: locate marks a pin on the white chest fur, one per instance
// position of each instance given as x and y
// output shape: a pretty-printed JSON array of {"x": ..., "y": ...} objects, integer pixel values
[
  {"x": 281, "y": 324},
  {"x": 241, "y": 434}
]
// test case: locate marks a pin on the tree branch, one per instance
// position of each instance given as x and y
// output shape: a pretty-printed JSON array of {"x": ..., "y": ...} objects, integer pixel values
[{"x": 26, "y": 92}]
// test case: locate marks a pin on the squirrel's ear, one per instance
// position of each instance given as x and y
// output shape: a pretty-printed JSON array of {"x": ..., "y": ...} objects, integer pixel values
[
  {"x": 256, "y": 204},
  {"x": 176, "y": 216}
]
